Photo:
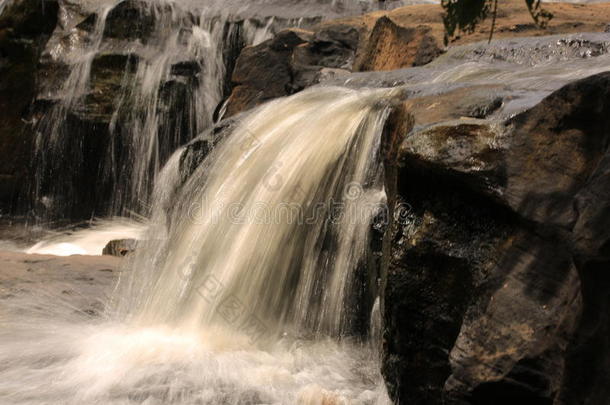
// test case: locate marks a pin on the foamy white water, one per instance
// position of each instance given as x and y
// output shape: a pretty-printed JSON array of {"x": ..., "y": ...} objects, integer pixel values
[{"x": 73, "y": 363}]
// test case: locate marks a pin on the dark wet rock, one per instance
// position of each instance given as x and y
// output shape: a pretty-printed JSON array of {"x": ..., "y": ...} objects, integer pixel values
[
  {"x": 25, "y": 27},
  {"x": 541, "y": 158},
  {"x": 186, "y": 68},
  {"x": 391, "y": 46},
  {"x": 120, "y": 247},
  {"x": 497, "y": 288},
  {"x": 109, "y": 72},
  {"x": 176, "y": 111},
  {"x": 290, "y": 62},
  {"x": 199, "y": 148},
  {"x": 133, "y": 20},
  {"x": 437, "y": 265},
  {"x": 464, "y": 149},
  {"x": 334, "y": 46},
  {"x": 263, "y": 72}
]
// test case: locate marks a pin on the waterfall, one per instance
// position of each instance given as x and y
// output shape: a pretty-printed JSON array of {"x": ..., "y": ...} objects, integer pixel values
[
  {"x": 274, "y": 222},
  {"x": 165, "y": 88},
  {"x": 246, "y": 289},
  {"x": 3, "y": 5}
]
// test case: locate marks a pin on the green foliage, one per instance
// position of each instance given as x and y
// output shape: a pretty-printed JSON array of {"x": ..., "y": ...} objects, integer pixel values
[{"x": 465, "y": 15}]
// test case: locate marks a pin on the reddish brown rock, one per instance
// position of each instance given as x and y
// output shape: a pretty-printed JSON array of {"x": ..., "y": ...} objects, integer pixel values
[{"x": 391, "y": 46}]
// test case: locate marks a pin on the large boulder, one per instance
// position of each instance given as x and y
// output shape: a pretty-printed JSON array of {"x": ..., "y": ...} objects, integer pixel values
[
  {"x": 497, "y": 288},
  {"x": 290, "y": 62},
  {"x": 263, "y": 72}
]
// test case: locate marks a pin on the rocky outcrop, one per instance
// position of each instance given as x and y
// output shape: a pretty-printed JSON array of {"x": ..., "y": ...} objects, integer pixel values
[
  {"x": 141, "y": 78},
  {"x": 108, "y": 87},
  {"x": 382, "y": 41},
  {"x": 291, "y": 61},
  {"x": 296, "y": 59},
  {"x": 495, "y": 290},
  {"x": 25, "y": 26},
  {"x": 263, "y": 72},
  {"x": 391, "y": 46},
  {"x": 477, "y": 101}
]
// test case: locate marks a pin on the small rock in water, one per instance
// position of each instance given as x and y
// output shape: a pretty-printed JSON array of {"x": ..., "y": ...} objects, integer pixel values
[{"x": 119, "y": 247}]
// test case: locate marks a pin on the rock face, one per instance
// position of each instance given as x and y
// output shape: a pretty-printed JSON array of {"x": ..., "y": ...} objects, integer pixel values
[
  {"x": 97, "y": 87},
  {"x": 25, "y": 27},
  {"x": 109, "y": 88},
  {"x": 495, "y": 291},
  {"x": 263, "y": 72}
]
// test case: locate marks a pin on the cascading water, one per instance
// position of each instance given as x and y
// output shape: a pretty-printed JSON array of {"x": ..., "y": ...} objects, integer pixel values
[
  {"x": 245, "y": 291},
  {"x": 172, "y": 81},
  {"x": 155, "y": 87},
  {"x": 3, "y": 4},
  {"x": 154, "y": 133},
  {"x": 282, "y": 207}
]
